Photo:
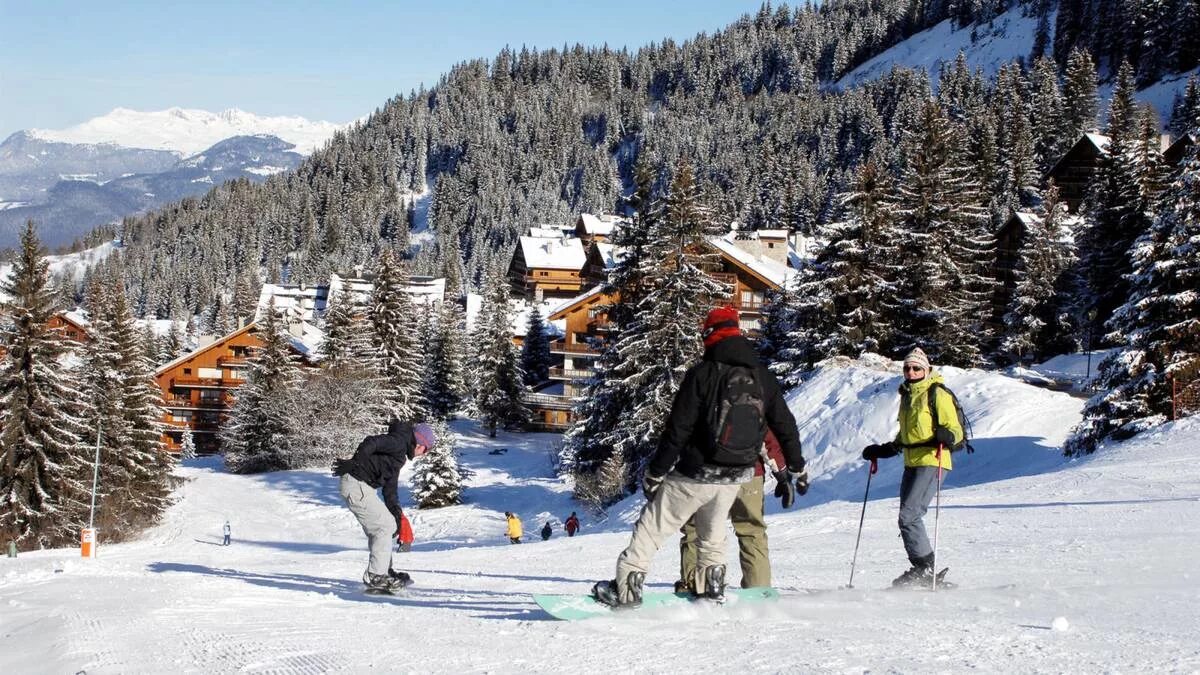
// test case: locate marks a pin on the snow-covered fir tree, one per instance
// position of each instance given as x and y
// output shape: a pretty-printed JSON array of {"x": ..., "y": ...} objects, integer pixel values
[
  {"x": 1043, "y": 258},
  {"x": 663, "y": 339},
  {"x": 945, "y": 246},
  {"x": 446, "y": 386},
  {"x": 535, "y": 350},
  {"x": 254, "y": 438},
  {"x": 394, "y": 320},
  {"x": 44, "y": 465},
  {"x": 1159, "y": 323},
  {"x": 436, "y": 480},
  {"x": 187, "y": 446},
  {"x": 499, "y": 386},
  {"x": 124, "y": 404}
]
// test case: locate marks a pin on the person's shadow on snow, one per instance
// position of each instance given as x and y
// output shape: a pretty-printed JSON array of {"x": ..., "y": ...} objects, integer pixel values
[{"x": 500, "y": 605}]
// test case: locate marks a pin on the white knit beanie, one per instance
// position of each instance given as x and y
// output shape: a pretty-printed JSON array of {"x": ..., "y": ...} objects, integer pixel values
[{"x": 917, "y": 358}]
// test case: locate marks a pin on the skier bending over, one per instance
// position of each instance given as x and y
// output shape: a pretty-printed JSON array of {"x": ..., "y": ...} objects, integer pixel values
[
  {"x": 746, "y": 514},
  {"x": 513, "y": 530},
  {"x": 571, "y": 525},
  {"x": 924, "y": 446},
  {"x": 693, "y": 473},
  {"x": 377, "y": 464}
]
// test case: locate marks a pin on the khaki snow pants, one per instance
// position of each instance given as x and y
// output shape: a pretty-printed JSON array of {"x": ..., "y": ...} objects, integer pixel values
[
  {"x": 677, "y": 501},
  {"x": 377, "y": 522},
  {"x": 751, "y": 530}
]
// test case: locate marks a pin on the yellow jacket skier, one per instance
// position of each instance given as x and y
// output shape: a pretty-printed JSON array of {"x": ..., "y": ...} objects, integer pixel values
[{"x": 514, "y": 527}]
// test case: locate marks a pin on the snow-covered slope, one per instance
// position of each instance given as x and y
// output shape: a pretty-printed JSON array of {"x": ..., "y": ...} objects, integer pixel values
[
  {"x": 70, "y": 265},
  {"x": 188, "y": 131},
  {"x": 1106, "y": 543}
]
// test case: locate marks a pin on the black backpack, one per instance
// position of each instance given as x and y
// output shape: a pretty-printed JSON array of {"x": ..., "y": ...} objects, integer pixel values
[
  {"x": 963, "y": 422},
  {"x": 735, "y": 417}
]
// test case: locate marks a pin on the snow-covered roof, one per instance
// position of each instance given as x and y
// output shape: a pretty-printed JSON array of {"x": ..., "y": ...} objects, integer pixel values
[
  {"x": 301, "y": 301},
  {"x": 306, "y": 339},
  {"x": 520, "y": 317},
  {"x": 547, "y": 232},
  {"x": 77, "y": 317},
  {"x": 770, "y": 270},
  {"x": 559, "y": 253},
  {"x": 569, "y": 302},
  {"x": 609, "y": 253},
  {"x": 356, "y": 289},
  {"x": 772, "y": 234},
  {"x": 601, "y": 225},
  {"x": 1099, "y": 140},
  {"x": 1027, "y": 218}
]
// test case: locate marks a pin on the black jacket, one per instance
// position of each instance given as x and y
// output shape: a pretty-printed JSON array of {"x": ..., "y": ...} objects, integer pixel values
[
  {"x": 687, "y": 440},
  {"x": 378, "y": 461}
]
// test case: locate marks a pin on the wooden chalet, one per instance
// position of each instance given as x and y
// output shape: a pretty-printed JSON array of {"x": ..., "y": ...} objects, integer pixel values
[
  {"x": 590, "y": 227},
  {"x": 1074, "y": 170},
  {"x": 197, "y": 388},
  {"x": 545, "y": 267},
  {"x": 72, "y": 326},
  {"x": 1175, "y": 152}
]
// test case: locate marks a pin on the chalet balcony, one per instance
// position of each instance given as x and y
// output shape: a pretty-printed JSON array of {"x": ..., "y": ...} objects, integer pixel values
[
  {"x": 560, "y": 347},
  {"x": 197, "y": 426},
  {"x": 571, "y": 373},
  {"x": 549, "y": 402},
  {"x": 205, "y": 382},
  {"x": 231, "y": 361},
  {"x": 200, "y": 404}
]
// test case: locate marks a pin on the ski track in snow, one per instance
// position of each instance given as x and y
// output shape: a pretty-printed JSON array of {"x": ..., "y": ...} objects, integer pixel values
[{"x": 1109, "y": 542}]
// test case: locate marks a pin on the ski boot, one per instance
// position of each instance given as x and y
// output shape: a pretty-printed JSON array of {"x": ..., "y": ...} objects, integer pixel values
[
  {"x": 401, "y": 577},
  {"x": 682, "y": 586},
  {"x": 382, "y": 584},
  {"x": 920, "y": 574},
  {"x": 714, "y": 583},
  {"x": 607, "y": 592}
]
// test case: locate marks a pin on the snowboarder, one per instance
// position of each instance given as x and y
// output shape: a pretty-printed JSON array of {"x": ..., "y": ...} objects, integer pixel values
[
  {"x": 546, "y": 531},
  {"x": 748, "y": 522},
  {"x": 925, "y": 447},
  {"x": 376, "y": 464},
  {"x": 697, "y": 469},
  {"x": 225, "y": 531},
  {"x": 514, "y": 527},
  {"x": 571, "y": 525},
  {"x": 404, "y": 536}
]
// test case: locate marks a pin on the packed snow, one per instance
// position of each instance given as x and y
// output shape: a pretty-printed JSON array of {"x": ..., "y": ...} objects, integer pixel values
[
  {"x": 1063, "y": 565},
  {"x": 189, "y": 131},
  {"x": 68, "y": 265}
]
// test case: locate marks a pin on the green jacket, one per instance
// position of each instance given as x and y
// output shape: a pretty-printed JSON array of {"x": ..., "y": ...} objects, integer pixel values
[{"x": 916, "y": 423}]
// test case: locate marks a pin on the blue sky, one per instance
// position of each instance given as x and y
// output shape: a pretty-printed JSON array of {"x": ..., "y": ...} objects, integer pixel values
[{"x": 64, "y": 62}]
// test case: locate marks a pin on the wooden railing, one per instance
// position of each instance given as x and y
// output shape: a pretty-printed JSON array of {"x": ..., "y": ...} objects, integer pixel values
[
  {"x": 204, "y": 382},
  {"x": 550, "y": 401},
  {"x": 570, "y": 373},
  {"x": 213, "y": 404},
  {"x": 560, "y": 346}
]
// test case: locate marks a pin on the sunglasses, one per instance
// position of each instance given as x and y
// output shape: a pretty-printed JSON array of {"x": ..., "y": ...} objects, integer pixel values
[{"x": 913, "y": 369}]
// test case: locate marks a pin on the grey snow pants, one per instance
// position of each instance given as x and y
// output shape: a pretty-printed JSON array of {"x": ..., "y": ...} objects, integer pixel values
[
  {"x": 377, "y": 522},
  {"x": 677, "y": 501},
  {"x": 917, "y": 489}
]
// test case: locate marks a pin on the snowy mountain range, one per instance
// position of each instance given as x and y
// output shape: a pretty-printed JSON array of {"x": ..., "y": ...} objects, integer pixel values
[{"x": 71, "y": 180}]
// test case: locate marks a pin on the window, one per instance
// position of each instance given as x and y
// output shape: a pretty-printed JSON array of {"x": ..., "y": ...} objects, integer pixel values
[
  {"x": 210, "y": 373},
  {"x": 187, "y": 371},
  {"x": 181, "y": 416}
]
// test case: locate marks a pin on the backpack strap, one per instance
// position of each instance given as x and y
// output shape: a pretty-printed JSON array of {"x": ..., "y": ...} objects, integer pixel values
[{"x": 930, "y": 396}]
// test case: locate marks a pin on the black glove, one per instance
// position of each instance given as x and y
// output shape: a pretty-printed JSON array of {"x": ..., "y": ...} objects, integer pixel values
[
  {"x": 880, "y": 451},
  {"x": 650, "y": 485},
  {"x": 944, "y": 436},
  {"x": 784, "y": 488},
  {"x": 802, "y": 483},
  {"x": 340, "y": 467}
]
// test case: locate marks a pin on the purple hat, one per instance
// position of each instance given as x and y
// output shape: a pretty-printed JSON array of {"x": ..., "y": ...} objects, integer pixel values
[{"x": 423, "y": 434}]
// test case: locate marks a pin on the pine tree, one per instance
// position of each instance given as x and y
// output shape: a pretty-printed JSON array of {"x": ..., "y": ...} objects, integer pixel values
[
  {"x": 187, "y": 448},
  {"x": 499, "y": 383},
  {"x": 44, "y": 465},
  {"x": 436, "y": 480},
  {"x": 1043, "y": 259},
  {"x": 446, "y": 387},
  {"x": 945, "y": 249},
  {"x": 254, "y": 438},
  {"x": 395, "y": 333},
  {"x": 1159, "y": 323},
  {"x": 652, "y": 354},
  {"x": 535, "y": 351},
  {"x": 1080, "y": 101}
]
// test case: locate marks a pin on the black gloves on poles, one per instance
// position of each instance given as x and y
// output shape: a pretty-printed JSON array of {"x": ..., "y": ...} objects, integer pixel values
[
  {"x": 650, "y": 486},
  {"x": 944, "y": 437},
  {"x": 340, "y": 467},
  {"x": 880, "y": 451}
]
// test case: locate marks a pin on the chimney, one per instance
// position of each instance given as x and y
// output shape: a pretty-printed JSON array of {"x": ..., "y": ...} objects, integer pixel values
[
  {"x": 1164, "y": 142},
  {"x": 296, "y": 328}
]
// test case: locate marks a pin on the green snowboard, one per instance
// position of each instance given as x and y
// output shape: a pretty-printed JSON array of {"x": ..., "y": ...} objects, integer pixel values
[{"x": 575, "y": 607}]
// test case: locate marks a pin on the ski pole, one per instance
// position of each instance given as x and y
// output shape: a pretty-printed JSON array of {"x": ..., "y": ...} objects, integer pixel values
[
  {"x": 937, "y": 511},
  {"x": 854, "y": 560}
]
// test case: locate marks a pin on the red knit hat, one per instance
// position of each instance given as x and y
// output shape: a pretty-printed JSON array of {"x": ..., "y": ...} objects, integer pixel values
[{"x": 721, "y": 323}]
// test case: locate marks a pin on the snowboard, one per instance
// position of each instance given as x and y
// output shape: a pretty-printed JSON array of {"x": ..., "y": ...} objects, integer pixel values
[{"x": 576, "y": 607}]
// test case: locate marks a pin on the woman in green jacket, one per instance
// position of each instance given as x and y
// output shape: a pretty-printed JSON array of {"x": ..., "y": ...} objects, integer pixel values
[{"x": 925, "y": 447}]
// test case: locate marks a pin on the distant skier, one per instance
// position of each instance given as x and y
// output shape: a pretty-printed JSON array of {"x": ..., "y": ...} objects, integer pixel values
[
  {"x": 712, "y": 439},
  {"x": 924, "y": 447},
  {"x": 377, "y": 464},
  {"x": 404, "y": 536},
  {"x": 226, "y": 531},
  {"x": 514, "y": 527},
  {"x": 571, "y": 525},
  {"x": 546, "y": 531},
  {"x": 748, "y": 522}
]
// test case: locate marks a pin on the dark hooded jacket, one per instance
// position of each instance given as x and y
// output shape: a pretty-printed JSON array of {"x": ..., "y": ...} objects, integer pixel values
[
  {"x": 378, "y": 461},
  {"x": 686, "y": 439}
]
